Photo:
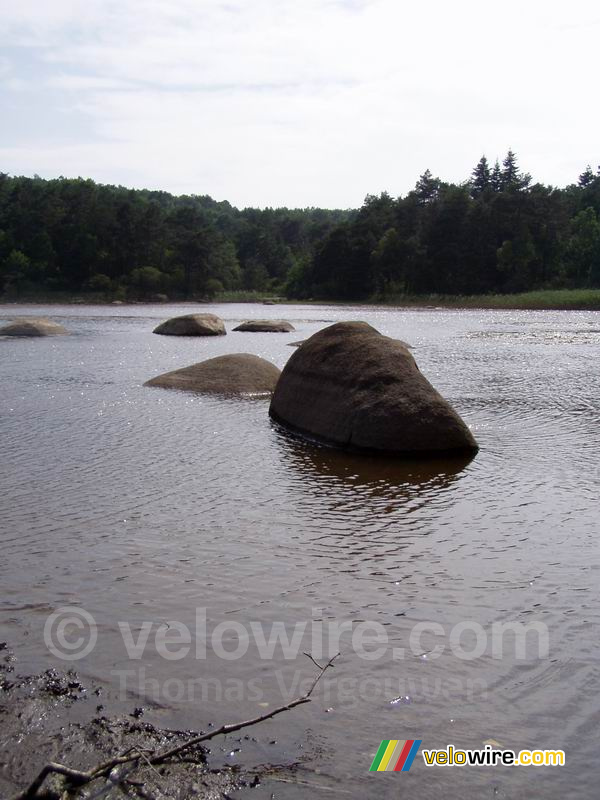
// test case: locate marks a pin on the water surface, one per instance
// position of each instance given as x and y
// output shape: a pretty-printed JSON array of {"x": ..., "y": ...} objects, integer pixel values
[{"x": 143, "y": 505}]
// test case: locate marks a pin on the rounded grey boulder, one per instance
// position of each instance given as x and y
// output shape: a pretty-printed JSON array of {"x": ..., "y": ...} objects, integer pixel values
[
  {"x": 192, "y": 325},
  {"x": 350, "y": 386},
  {"x": 301, "y": 342},
  {"x": 266, "y": 326},
  {"x": 33, "y": 327},
  {"x": 237, "y": 373}
]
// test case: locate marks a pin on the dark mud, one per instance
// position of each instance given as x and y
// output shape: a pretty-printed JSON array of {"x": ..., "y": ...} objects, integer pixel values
[{"x": 54, "y": 717}]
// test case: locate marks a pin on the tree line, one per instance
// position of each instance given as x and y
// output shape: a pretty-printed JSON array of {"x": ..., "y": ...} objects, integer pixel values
[
  {"x": 69, "y": 235},
  {"x": 495, "y": 232}
]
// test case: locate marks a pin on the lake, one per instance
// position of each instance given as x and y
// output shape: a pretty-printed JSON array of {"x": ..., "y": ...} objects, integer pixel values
[{"x": 160, "y": 512}]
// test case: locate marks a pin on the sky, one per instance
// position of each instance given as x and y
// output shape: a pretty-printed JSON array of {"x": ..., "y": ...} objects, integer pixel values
[{"x": 297, "y": 104}]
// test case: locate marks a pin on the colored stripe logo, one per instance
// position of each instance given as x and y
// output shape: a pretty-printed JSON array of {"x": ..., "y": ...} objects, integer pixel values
[{"x": 395, "y": 755}]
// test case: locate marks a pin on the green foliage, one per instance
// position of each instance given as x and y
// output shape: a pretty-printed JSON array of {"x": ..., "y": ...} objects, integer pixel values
[
  {"x": 567, "y": 299},
  {"x": 587, "y": 177},
  {"x": 481, "y": 178},
  {"x": 145, "y": 281},
  {"x": 297, "y": 279},
  {"x": 214, "y": 287},
  {"x": 77, "y": 236},
  {"x": 15, "y": 271},
  {"x": 223, "y": 266},
  {"x": 583, "y": 249},
  {"x": 427, "y": 188},
  {"x": 256, "y": 276},
  {"x": 100, "y": 283},
  {"x": 496, "y": 177},
  {"x": 496, "y": 233}
]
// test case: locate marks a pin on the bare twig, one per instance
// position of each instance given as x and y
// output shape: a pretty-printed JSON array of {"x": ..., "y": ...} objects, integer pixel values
[
  {"x": 316, "y": 663},
  {"x": 152, "y": 767},
  {"x": 133, "y": 755}
]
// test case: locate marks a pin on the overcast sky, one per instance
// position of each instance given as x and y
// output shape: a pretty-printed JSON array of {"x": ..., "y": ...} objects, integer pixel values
[{"x": 296, "y": 103}]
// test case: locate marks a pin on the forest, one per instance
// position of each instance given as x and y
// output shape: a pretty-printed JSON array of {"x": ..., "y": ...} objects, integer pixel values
[{"x": 497, "y": 232}]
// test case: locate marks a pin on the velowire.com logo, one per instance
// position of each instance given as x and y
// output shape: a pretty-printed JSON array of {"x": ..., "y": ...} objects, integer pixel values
[{"x": 395, "y": 755}]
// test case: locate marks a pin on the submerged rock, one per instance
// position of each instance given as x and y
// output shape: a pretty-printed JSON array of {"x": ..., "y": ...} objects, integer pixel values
[
  {"x": 33, "y": 327},
  {"x": 351, "y": 386},
  {"x": 266, "y": 326},
  {"x": 192, "y": 325},
  {"x": 238, "y": 373}
]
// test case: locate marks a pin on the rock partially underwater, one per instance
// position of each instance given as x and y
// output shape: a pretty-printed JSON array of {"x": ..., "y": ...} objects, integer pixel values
[
  {"x": 266, "y": 326},
  {"x": 33, "y": 327},
  {"x": 238, "y": 373},
  {"x": 192, "y": 325},
  {"x": 350, "y": 386}
]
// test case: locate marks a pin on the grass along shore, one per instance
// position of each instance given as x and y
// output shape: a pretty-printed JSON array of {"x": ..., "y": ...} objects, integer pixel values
[{"x": 546, "y": 299}]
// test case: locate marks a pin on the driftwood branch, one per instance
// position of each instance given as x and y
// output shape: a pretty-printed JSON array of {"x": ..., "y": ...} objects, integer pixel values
[{"x": 133, "y": 756}]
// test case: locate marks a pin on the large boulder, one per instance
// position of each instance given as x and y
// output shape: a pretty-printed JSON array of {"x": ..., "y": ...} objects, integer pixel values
[
  {"x": 33, "y": 327},
  {"x": 301, "y": 342},
  {"x": 350, "y": 386},
  {"x": 237, "y": 373},
  {"x": 266, "y": 326},
  {"x": 192, "y": 325}
]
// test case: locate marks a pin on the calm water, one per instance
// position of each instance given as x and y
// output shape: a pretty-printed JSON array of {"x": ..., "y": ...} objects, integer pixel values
[{"x": 142, "y": 505}]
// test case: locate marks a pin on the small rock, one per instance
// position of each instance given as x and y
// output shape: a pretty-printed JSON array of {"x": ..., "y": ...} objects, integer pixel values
[
  {"x": 33, "y": 327},
  {"x": 192, "y": 325},
  {"x": 265, "y": 326}
]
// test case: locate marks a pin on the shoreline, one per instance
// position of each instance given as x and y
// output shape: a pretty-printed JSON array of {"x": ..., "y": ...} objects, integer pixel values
[
  {"x": 546, "y": 300},
  {"x": 55, "y": 717}
]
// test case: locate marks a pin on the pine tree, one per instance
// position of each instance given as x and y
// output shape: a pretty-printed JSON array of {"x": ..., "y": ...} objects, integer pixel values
[
  {"x": 586, "y": 177},
  {"x": 480, "y": 177},
  {"x": 496, "y": 178},
  {"x": 511, "y": 178},
  {"x": 510, "y": 171},
  {"x": 427, "y": 187}
]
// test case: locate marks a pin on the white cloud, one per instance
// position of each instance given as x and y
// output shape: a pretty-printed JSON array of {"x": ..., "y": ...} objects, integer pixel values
[
  {"x": 88, "y": 82},
  {"x": 312, "y": 103}
]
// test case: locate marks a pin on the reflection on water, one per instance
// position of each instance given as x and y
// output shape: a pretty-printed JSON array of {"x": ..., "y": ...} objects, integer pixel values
[
  {"x": 142, "y": 506},
  {"x": 325, "y": 470}
]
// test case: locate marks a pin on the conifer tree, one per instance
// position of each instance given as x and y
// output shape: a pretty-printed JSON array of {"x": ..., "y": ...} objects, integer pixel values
[
  {"x": 480, "y": 177},
  {"x": 496, "y": 178},
  {"x": 511, "y": 178},
  {"x": 586, "y": 177}
]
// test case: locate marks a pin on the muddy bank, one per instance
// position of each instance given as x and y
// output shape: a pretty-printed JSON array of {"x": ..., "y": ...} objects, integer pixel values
[{"x": 54, "y": 717}]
